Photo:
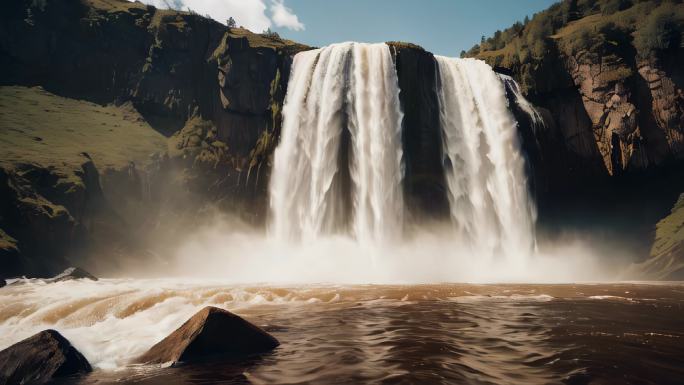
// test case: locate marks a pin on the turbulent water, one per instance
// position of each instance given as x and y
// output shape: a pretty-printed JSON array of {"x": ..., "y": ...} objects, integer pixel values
[
  {"x": 489, "y": 201},
  {"x": 475, "y": 334},
  {"x": 338, "y": 168}
]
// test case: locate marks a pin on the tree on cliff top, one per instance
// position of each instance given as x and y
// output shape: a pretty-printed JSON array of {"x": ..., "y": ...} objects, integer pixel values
[
  {"x": 270, "y": 34},
  {"x": 231, "y": 22}
]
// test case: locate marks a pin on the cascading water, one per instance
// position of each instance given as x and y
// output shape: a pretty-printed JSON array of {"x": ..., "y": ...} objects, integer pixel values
[
  {"x": 490, "y": 204},
  {"x": 338, "y": 165},
  {"x": 524, "y": 104}
]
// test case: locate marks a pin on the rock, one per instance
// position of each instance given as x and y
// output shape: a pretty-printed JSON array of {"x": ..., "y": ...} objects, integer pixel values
[
  {"x": 424, "y": 183},
  {"x": 210, "y": 332},
  {"x": 667, "y": 105},
  {"x": 72, "y": 273},
  {"x": 3, "y": 283},
  {"x": 40, "y": 358}
]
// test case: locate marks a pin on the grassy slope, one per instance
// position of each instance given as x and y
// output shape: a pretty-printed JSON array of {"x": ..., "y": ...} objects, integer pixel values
[
  {"x": 51, "y": 131},
  {"x": 669, "y": 243},
  {"x": 670, "y": 230}
]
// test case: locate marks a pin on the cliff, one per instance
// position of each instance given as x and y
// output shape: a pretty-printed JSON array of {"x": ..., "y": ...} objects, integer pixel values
[
  {"x": 616, "y": 102},
  {"x": 123, "y": 123},
  {"x": 607, "y": 77}
]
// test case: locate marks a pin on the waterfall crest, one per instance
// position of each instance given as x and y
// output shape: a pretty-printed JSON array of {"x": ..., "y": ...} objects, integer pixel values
[
  {"x": 337, "y": 168},
  {"x": 485, "y": 171}
]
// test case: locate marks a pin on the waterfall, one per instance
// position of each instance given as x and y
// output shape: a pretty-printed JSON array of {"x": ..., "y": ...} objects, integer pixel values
[
  {"x": 485, "y": 171},
  {"x": 337, "y": 168}
]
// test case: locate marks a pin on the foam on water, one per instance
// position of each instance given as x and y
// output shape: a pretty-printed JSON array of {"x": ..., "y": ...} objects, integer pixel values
[{"x": 112, "y": 321}]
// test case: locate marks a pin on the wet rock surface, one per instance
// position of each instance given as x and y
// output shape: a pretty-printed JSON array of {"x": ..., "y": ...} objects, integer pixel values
[
  {"x": 424, "y": 183},
  {"x": 39, "y": 359},
  {"x": 210, "y": 333}
]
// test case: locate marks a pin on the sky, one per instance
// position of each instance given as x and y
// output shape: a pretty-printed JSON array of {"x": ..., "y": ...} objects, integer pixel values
[{"x": 444, "y": 27}]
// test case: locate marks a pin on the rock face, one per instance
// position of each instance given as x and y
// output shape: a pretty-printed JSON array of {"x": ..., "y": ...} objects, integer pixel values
[
  {"x": 212, "y": 94},
  {"x": 424, "y": 184},
  {"x": 40, "y": 358},
  {"x": 610, "y": 154},
  {"x": 667, "y": 102},
  {"x": 210, "y": 332}
]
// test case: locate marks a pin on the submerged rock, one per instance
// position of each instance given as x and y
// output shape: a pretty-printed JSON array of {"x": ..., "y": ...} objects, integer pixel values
[
  {"x": 40, "y": 358},
  {"x": 72, "y": 273},
  {"x": 210, "y": 332}
]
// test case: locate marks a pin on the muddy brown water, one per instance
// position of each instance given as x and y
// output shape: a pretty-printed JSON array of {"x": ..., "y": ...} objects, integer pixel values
[{"x": 426, "y": 334}]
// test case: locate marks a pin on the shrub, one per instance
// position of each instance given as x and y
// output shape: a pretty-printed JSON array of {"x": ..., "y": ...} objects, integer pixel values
[
  {"x": 660, "y": 30},
  {"x": 582, "y": 41}
]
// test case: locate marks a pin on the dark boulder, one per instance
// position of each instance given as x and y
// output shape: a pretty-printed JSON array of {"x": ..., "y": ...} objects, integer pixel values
[
  {"x": 210, "y": 332},
  {"x": 72, "y": 273},
  {"x": 2, "y": 282},
  {"x": 40, "y": 358}
]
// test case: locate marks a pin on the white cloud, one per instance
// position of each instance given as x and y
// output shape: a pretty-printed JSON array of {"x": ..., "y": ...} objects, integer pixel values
[
  {"x": 250, "y": 14},
  {"x": 282, "y": 16}
]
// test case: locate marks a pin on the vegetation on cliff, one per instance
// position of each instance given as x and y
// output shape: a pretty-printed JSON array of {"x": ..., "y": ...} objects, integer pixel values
[
  {"x": 617, "y": 62},
  {"x": 651, "y": 25},
  {"x": 665, "y": 260}
]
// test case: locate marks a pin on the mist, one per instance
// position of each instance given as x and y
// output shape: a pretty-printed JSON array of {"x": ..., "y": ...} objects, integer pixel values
[{"x": 227, "y": 249}]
